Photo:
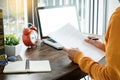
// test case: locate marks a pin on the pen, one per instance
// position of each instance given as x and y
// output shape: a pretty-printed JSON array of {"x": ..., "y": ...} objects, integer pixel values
[{"x": 94, "y": 38}]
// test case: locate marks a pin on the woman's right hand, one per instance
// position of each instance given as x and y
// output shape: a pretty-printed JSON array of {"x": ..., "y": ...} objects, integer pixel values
[{"x": 96, "y": 43}]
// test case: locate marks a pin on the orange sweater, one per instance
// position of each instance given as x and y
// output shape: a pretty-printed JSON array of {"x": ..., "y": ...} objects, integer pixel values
[{"x": 110, "y": 71}]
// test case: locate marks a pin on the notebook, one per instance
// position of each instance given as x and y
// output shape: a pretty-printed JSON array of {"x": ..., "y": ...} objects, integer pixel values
[{"x": 27, "y": 66}]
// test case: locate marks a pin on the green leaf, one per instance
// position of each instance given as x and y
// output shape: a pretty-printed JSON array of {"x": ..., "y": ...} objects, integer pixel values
[{"x": 11, "y": 39}]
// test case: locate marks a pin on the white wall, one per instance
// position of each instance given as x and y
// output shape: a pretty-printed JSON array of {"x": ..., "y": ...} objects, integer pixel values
[{"x": 112, "y": 5}]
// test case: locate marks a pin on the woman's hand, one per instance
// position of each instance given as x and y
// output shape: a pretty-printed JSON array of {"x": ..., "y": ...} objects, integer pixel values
[
  {"x": 96, "y": 43},
  {"x": 72, "y": 52}
]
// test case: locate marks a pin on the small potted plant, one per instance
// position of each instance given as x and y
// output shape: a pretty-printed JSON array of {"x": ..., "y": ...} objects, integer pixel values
[{"x": 12, "y": 45}]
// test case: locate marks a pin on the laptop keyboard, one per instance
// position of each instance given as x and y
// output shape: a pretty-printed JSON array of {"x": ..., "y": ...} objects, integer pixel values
[{"x": 49, "y": 39}]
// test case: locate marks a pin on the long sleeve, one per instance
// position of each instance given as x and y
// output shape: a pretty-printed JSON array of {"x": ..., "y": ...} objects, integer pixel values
[{"x": 110, "y": 71}]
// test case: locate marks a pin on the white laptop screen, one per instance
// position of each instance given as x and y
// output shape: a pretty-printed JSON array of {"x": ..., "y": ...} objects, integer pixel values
[{"x": 53, "y": 18}]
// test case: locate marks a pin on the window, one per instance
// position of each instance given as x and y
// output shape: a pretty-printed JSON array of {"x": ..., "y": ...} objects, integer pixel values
[
  {"x": 92, "y": 13},
  {"x": 14, "y": 15}
]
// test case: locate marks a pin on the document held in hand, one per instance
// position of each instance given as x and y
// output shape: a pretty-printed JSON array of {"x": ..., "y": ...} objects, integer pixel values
[
  {"x": 27, "y": 66},
  {"x": 69, "y": 37}
]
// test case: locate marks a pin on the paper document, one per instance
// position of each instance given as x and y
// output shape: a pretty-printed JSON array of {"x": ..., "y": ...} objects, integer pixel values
[
  {"x": 31, "y": 66},
  {"x": 69, "y": 37}
]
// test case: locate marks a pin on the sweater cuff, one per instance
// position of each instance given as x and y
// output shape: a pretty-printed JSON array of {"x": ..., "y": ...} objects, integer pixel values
[{"x": 78, "y": 57}]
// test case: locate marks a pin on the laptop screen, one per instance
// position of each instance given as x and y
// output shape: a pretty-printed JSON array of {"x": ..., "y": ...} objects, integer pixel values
[{"x": 53, "y": 18}]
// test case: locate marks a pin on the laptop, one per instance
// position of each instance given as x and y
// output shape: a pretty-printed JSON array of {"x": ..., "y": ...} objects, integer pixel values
[{"x": 51, "y": 19}]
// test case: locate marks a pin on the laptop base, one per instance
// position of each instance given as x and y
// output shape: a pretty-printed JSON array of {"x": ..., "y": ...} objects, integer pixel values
[{"x": 52, "y": 43}]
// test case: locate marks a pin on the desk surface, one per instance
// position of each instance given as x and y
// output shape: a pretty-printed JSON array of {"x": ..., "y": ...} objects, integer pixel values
[{"x": 61, "y": 65}]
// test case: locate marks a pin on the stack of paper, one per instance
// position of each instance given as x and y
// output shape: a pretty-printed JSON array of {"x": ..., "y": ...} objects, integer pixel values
[{"x": 69, "y": 37}]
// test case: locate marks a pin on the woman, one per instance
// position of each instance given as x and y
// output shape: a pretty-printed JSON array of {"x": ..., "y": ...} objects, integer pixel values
[{"x": 97, "y": 71}]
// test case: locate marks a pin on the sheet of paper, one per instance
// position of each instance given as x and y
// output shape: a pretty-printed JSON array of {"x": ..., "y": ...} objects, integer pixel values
[
  {"x": 40, "y": 66},
  {"x": 15, "y": 67},
  {"x": 69, "y": 37}
]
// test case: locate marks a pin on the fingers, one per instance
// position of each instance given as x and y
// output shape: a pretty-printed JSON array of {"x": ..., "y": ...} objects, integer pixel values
[
  {"x": 69, "y": 53},
  {"x": 65, "y": 49},
  {"x": 90, "y": 41},
  {"x": 72, "y": 52},
  {"x": 90, "y": 37}
]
